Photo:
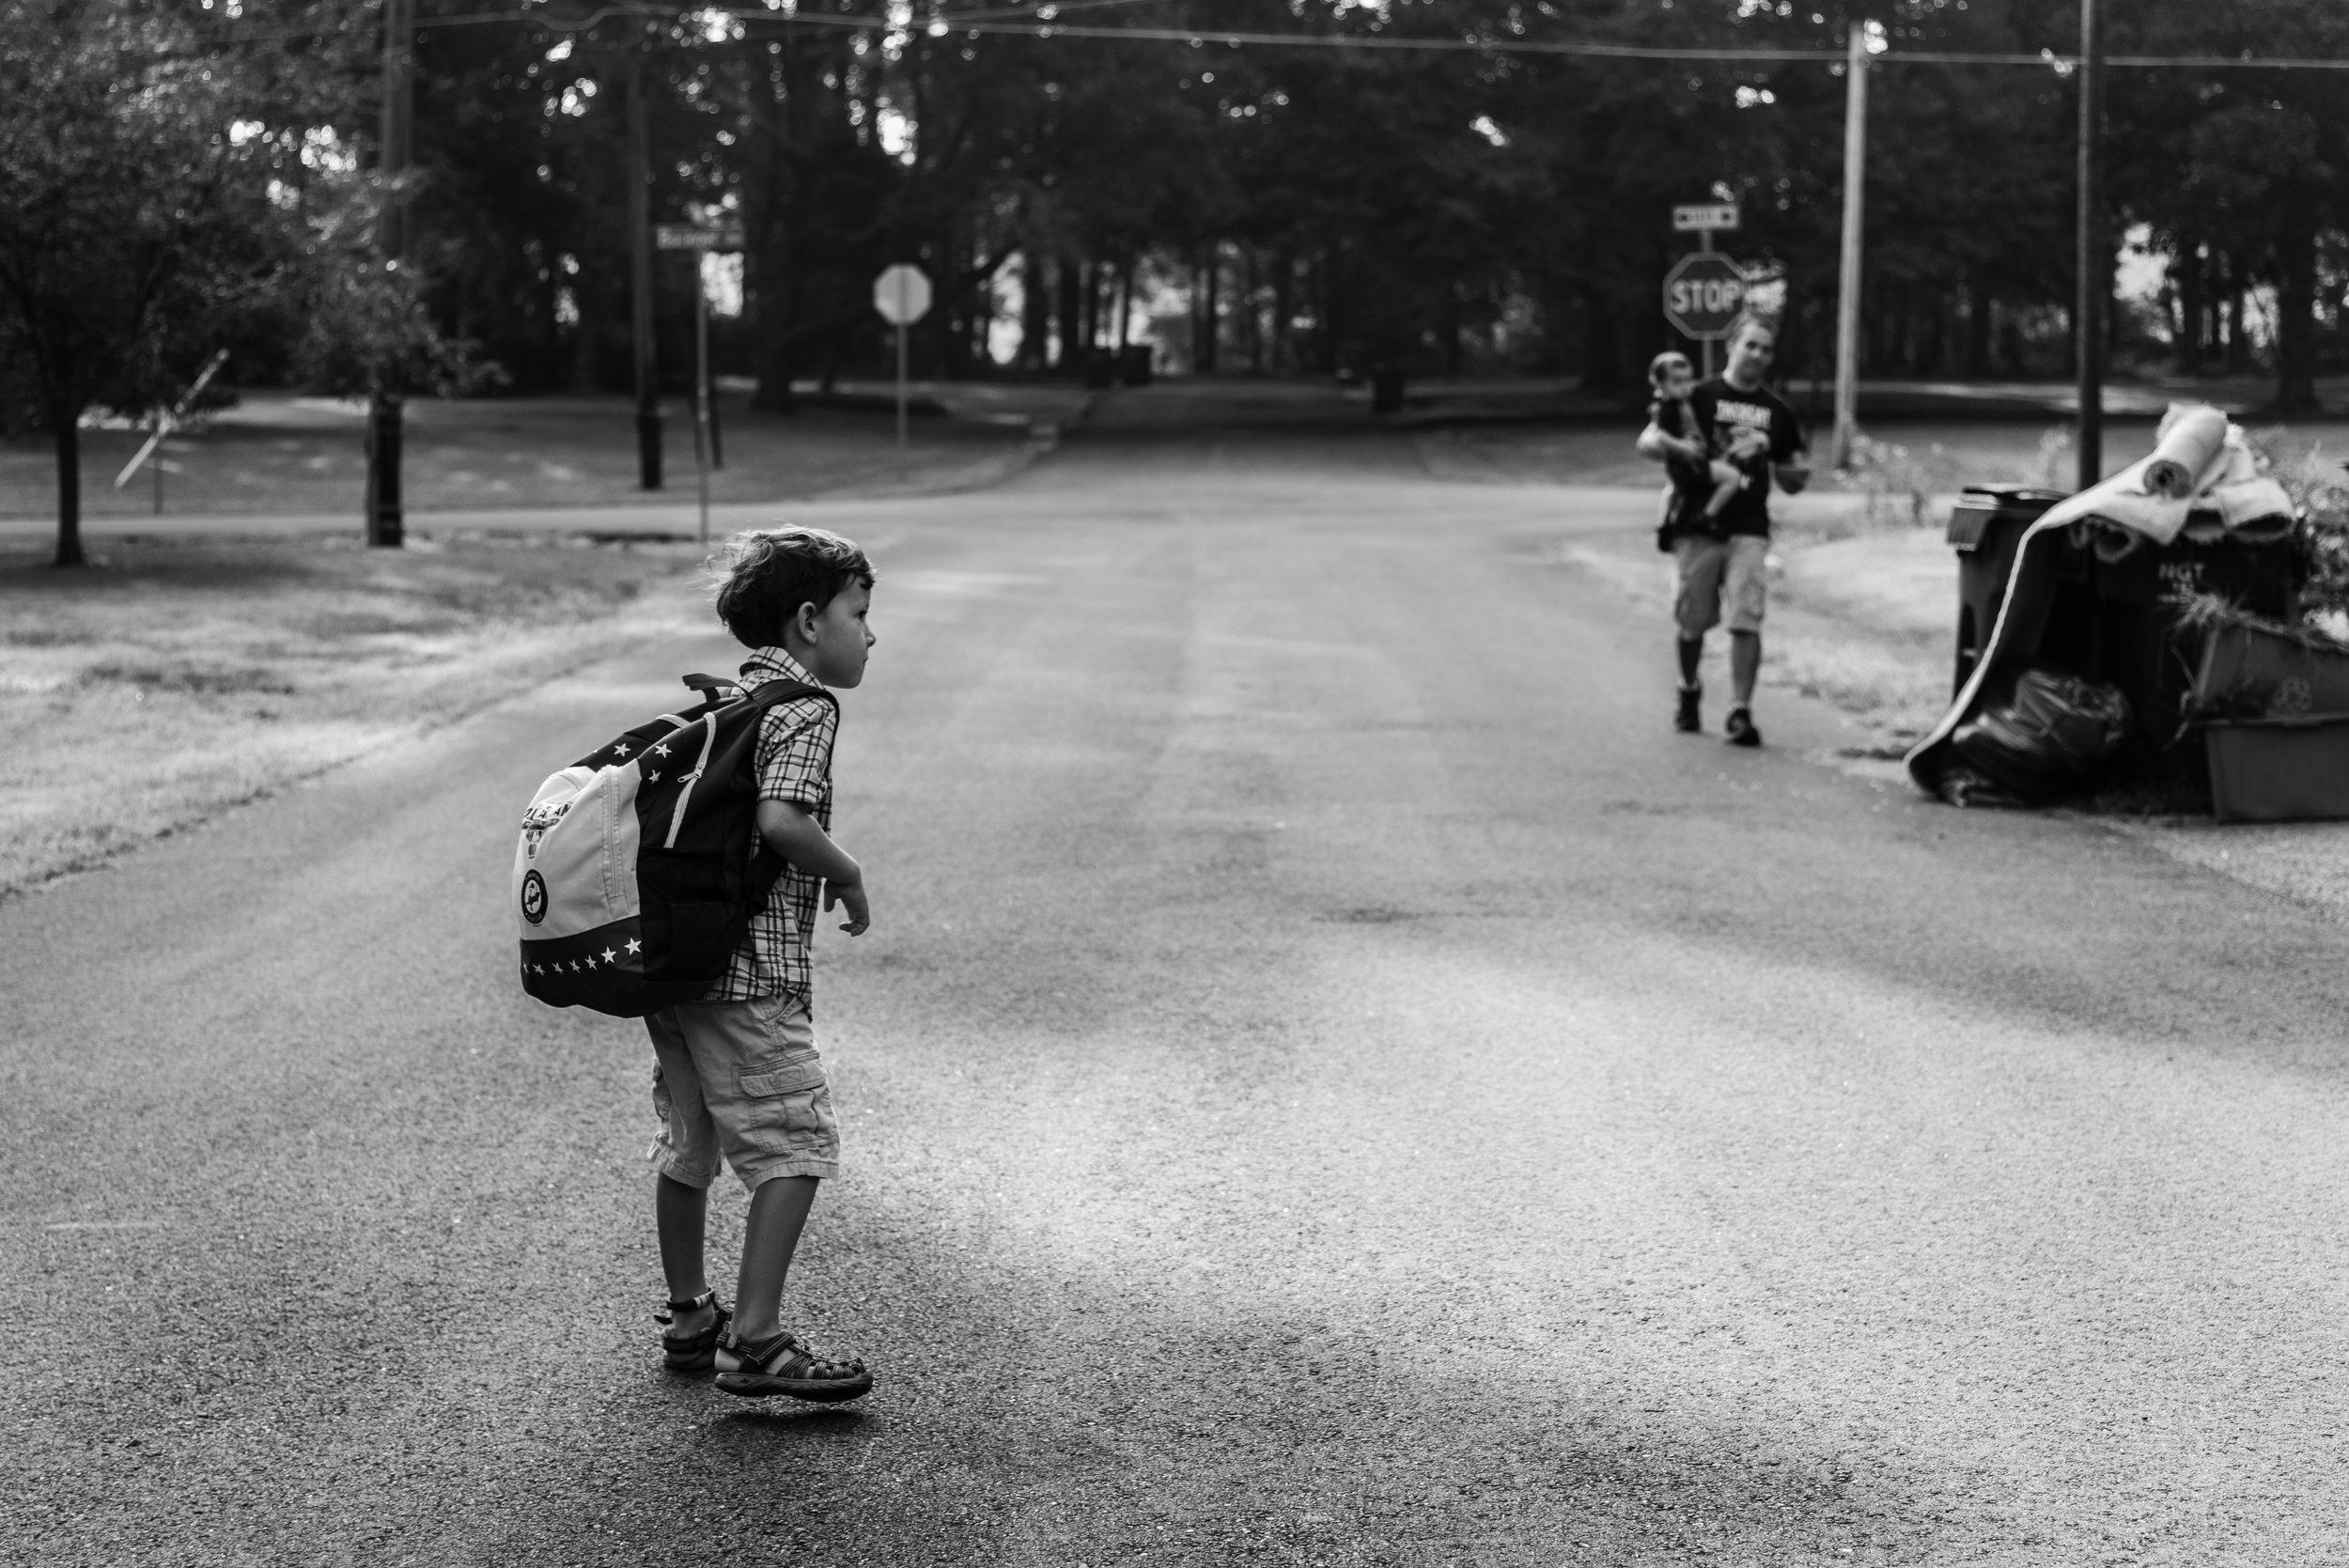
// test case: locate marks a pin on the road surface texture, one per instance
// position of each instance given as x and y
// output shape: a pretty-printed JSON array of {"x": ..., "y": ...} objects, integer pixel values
[{"x": 1333, "y": 1079}]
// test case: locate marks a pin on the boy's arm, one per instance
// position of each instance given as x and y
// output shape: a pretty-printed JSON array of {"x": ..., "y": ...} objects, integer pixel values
[
  {"x": 1656, "y": 444},
  {"x": 792, "y": 832}
]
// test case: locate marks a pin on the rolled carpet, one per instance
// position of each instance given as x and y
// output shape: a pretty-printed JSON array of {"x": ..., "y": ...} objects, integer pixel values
[{"x": 2191, "y": 435}]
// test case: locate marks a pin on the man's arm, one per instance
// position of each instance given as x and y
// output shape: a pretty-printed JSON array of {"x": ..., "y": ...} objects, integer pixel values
[
  {"x": 792, "y": 832},
  {"x": 1791, "y": 457}
]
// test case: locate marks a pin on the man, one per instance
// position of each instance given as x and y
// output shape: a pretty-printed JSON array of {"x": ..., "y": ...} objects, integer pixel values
[{"x": 1742, "y": 422}]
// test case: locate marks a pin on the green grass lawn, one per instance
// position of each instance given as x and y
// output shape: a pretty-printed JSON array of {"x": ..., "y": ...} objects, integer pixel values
[
  {"x": 279, "y": 455},
  {"x": 152, "y": 692}
]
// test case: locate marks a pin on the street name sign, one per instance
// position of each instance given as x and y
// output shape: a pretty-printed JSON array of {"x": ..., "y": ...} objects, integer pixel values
[
  {"x": 1705, "y": 293},
  {"x": 1705, "y": 218},
  {"x": 902, "y": 294},
  {"x": 697, "y": 237}
]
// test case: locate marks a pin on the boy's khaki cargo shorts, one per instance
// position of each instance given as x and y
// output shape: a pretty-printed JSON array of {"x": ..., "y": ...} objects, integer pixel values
[{"x": 741, "y": 1079}]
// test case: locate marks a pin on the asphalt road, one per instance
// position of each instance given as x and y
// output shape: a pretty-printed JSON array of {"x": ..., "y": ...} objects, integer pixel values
[{"x": 1334, "y": 1079}]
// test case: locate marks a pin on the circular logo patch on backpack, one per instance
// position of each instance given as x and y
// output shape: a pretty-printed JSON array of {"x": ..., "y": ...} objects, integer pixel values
[{"x": 534, "y": 898}]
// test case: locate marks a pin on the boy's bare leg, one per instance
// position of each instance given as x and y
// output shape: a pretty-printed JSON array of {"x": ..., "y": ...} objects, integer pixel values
[
  {"x": 1723, "y": 493},
  {"x": 680, "y": 1215},
  {"x": 1745, "y": 662},
  {"x": 770, "y": 1237},
  {"x": 1692, "y": 659}
]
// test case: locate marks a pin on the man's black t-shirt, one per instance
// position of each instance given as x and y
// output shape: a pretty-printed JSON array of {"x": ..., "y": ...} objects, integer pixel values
[{"x": 1722, "y": 411}]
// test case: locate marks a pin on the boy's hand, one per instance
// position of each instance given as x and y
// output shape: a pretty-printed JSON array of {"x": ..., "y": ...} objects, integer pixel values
[{"x": 850, "y": 898}]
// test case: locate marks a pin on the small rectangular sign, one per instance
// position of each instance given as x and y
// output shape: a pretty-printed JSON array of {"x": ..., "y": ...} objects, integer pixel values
[
  {"x": 695, "y": 236},
  {"x": 1710, "y": 218}
]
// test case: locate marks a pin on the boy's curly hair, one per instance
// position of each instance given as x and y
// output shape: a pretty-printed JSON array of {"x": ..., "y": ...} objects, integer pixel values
[
  {"x": 1663, "y": 361},
  {"x": 764, "y": 576}
]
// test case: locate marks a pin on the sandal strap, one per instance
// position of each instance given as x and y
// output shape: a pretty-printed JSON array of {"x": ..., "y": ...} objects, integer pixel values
[
  {"x": 803, "y": 1362},
  {"x": 707, "y": 1298}
]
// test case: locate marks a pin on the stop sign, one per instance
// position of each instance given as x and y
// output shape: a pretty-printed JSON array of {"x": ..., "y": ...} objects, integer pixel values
[{"x": 1705, "y": 293}]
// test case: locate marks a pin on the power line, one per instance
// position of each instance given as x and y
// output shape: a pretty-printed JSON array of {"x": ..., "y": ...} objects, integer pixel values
[{"x": 998, "y": 22}]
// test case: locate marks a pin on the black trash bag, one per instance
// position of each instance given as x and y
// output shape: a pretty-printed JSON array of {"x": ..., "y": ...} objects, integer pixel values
[{"x": 2050, "y": 735}]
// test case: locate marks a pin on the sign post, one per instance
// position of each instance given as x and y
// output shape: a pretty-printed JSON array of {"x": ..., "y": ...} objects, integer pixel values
[
  {"x": 902, "y": 295},
  {"x": 700, "y": 238},
  {"x": 1704, "y": 220}
]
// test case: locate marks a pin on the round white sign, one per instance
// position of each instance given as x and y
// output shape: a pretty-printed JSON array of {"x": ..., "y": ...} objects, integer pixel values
[{"x": 902, "y": 294}]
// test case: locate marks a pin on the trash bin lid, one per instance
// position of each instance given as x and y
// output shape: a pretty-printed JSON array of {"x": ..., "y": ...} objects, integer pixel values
[
  {"x": 1978, "y": 503},
  {"x": 2012, "y": 495}
]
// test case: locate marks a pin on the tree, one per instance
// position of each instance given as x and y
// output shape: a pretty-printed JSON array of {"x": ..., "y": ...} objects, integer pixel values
[{"x": 136, "y": 228}]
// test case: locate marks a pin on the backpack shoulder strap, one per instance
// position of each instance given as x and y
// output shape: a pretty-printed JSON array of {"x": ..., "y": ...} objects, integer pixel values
[
  {"x": 778, "y": 691},
  {"x": 714, "y": 688}
]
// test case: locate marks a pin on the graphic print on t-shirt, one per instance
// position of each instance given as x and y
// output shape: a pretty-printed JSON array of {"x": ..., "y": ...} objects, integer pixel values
[{"x": 1752, "y": 430}]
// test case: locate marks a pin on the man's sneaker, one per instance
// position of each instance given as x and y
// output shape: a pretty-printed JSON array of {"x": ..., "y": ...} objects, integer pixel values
[
  {"x": 1740, "y": 728},
  {"x": 1685, "y": 719}
]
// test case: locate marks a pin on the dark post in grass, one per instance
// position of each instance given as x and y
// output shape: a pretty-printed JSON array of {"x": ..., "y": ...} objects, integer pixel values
[
  {"x": 384, "y": 519},
  {"x": 2095, "y": 281},
  {"x": 640, "y": 264}
]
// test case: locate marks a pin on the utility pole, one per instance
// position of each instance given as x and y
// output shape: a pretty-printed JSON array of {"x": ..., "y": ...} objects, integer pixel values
[
  {"x": 1847, "y": 284},
  {"x": 2095, "y": 280},
  {"x": 640, "y": 264},
  {"x": 384, "y": 522}
]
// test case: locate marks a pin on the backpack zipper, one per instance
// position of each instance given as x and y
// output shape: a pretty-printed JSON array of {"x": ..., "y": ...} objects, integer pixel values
[{"x": 685, "y": 793}]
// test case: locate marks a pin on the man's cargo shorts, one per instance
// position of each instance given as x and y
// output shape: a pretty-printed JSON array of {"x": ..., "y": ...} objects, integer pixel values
[
  {"x": 741, "y": 1079},
  {"x": 1713, "y": 572}
]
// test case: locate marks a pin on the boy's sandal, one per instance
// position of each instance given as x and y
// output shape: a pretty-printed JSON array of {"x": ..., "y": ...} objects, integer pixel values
[
  {"x": 692, "y": 1352},
  {"x": 785, "y": 1365}
]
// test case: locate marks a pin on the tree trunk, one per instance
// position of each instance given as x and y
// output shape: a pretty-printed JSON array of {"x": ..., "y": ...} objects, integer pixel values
[
  {"x": 1936, "y": 346},
  {"x": 1602, "y": 356},
  {"x": 69, "y": 435},
  {"x": 2189, "y": 275},
  {"x": 1249, "y": 283},
  {"x": 1198, "y": 313},
  {"x": 2295, "y": 306},
  {"x": 1211, "y": 327},
  {"x": 2238, "y": 351},
  {"x": 1065, "y": 280},
  {"x": 583, "y": 343},
  {"x": 1977, "y": 312},
  {"x": 1035, "y": 310},
  {"x": 1284, "y": 312},
  {"x": 770, "y": 280}
]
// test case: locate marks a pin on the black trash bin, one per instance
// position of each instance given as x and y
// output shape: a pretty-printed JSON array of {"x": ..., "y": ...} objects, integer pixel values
[
  {"x": 2144, "y": 645},
  {"x": 1386, "y": 389},
  {"x": 2105, "y": 610},
  {"x": 1133, "y": 363},
  {"x": 1102, "y": 369},
  {"x": 1986, "y": 526}
]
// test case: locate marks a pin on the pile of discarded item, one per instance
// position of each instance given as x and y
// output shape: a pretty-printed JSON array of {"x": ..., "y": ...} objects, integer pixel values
[{"x": 2144, "y": 631}]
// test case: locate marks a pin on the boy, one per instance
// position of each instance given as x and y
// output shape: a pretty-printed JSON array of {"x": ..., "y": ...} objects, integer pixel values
[
  {"x": 737, "y": 1073},
  {"x": 1739, "y": 419},
  {"x": 1701, "y": 485}
]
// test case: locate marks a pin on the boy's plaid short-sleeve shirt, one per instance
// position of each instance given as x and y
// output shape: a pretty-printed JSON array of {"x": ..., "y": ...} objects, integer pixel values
[{"x": 794, "y": 762}]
